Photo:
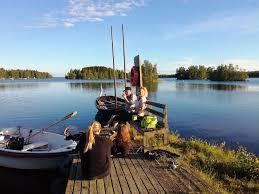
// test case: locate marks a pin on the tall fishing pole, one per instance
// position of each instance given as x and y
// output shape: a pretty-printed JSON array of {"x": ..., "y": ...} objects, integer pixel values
[
  {"x": 45, "y": 129},
  {"x": 124, "y": 58},
  {"x": 114, "y": 73}
]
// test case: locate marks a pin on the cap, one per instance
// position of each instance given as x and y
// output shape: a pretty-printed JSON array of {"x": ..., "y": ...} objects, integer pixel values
[{"x": 127, "y": 88}]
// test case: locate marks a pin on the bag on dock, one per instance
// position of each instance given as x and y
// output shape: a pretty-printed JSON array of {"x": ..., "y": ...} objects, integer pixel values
[{"x": 149, "y": 122}]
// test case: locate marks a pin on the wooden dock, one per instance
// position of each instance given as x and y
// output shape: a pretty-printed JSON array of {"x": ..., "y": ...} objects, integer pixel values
[{"x": 135, "y": 174}]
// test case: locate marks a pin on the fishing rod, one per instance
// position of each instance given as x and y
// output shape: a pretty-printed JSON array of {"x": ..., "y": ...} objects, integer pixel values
[{"x": 51, "y": 125}]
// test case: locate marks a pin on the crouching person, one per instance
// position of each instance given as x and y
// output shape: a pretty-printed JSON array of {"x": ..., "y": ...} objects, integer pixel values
[
  {"x": 122, "y": 142},
  {"x": 94, "y": 151}
]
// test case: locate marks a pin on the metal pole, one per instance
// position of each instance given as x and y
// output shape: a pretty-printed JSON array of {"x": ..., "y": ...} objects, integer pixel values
[
  {"x": 124, "y": 60},
  {"x": 114, "y": 74}
]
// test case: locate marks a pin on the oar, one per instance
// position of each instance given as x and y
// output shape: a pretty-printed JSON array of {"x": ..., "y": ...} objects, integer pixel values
[{"x": 45, "y": 129}]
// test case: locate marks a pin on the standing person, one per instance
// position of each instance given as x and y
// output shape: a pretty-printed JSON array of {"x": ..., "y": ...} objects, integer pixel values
[
  {"x": 94, "y": 151},
  {"x": 142, "y": 99},
  {"x": 122, "y": 141}
]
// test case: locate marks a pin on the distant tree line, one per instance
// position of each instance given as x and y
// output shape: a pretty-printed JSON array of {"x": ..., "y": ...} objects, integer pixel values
[
  {"x": 167, "y": 76},
  {"x": 149, "y": 72},
  {"x": 19, "y": 74},
  {"x": 94, "y": 72},
  {"x": 221, "y": 73},
  {"x": 253, "y": 74}
]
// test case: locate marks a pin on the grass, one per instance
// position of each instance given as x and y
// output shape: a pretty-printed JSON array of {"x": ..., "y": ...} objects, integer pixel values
[{"x": 233, "y": 171}]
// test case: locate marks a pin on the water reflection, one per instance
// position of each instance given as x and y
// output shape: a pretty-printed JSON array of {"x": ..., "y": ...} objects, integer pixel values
[
  {"x": 22, "y": 86},
  {"x": 152, "y": 90},
  {"x": 151, "y": 87},
  {"x": 92, "y": 86},
  {"x": 199, "y": 86}
]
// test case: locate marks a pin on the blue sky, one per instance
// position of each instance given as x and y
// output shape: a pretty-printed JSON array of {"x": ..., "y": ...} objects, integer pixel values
[{"x": 56, "y": 35}]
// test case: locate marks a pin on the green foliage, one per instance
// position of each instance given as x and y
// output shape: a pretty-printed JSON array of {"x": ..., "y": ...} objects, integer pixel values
[
  {"x": 228, "y": 73},
  {"x": 238, "y": 169},
  {"x": 94, "y": 72},
  {"x": 28, "y": 74},
  {"x": 221, "y": 73},
  {"x": 253, "y": 74},
  {"x": 149, "y": 72}
]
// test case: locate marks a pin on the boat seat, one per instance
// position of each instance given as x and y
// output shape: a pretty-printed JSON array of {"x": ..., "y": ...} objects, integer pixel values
[{"x": 40, "y": 146}]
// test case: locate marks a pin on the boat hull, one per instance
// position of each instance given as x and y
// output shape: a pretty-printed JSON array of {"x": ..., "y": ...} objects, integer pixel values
[
  {"x": 34, "y": 162},
  {"x": 106, "y": 104},
  {"x": 56, "y": 155}
]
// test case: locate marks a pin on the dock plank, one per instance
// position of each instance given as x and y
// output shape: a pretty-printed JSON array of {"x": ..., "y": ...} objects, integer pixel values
[
  {"x": 85, "y": 187},
  {"x": 140, "y": 185},
  {"x": 93, "y": 189},
  {"x": 100, "y": 186},
  {"x": 142, "y": 175},
  {"x": 123, "y": 182},
  {"x": 169, "y": 184},
  {"x": 150, "y": 175},
  {"x": 108, "y": 185},
  {"x": 78, "y": 179},
  {"x": 132, "y": 185},
  {"x": 115, "y": 180},
  {"x": 71, "y": 178}
]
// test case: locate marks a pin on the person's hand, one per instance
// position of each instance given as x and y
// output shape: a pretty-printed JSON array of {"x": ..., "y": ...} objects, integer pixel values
[
  {"x": 113, "y": 136},
  {"x": 67, "y": 132},
  {"x": 124, "y": 95}
]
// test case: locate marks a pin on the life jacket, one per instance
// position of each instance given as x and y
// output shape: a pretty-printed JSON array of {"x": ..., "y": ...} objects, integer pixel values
[{"x": 134, "y": 76}]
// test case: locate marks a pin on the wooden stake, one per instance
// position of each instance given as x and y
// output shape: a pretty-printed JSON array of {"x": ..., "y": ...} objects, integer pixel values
[
  {"x": 114, "y": 73},
  {"x": 124, "y": 58}
]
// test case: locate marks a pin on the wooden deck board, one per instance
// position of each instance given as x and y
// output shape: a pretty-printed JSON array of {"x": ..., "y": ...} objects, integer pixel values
[
  {"x": 132, "y": 185},
  {"x": 140, "y": 185},
  {"x": 115, "y": 180},
  {"x": 169, "y": 185},
  {"x": 108, "y": 185},
  {"x": 142, "y": 175},
  {"x": 100, "y": 186},
  {"x": 85, "y": 187},
  {"x": 93, "y": 187},
  {"x": 134, "y": 174},
  {"x": 123, "y": 182},
  {"x": 78, "y": 180},
  {"x": 150, "y": 175},
  {"x": 71, "y": 178}
]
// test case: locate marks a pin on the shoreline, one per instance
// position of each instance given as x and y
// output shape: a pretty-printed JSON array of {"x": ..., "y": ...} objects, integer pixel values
[{"x": 229, "y": 171}]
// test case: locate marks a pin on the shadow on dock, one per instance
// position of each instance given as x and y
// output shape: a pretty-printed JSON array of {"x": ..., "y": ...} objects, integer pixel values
[{"x": 14, "y": 181}]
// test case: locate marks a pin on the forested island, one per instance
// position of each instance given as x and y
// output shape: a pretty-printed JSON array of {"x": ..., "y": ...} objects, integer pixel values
[
  {"x": 253, "y": 74},
  {"x": 149, "y": 73},
  {"x": 221, "y": 73},
  {"x": 23, "y": 74},
  {"x": 94, "y": 72}
]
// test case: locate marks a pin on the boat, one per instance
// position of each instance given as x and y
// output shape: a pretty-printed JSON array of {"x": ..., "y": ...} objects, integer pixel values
[
  {"x": 39, "y": 149},
  {"x": 107, "y": 104}
]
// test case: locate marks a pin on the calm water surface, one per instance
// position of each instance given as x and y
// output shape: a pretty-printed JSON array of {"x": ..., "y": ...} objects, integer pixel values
[{"x": 216, "y": 111}]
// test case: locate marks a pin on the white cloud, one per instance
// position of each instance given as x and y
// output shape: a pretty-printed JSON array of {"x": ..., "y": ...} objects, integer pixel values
[
  {"x": 246, "y": 64},
  {"x": 238, "y": 21},
  {"x": 77, "y": 11},
  {"x": 68, "y": 24}
]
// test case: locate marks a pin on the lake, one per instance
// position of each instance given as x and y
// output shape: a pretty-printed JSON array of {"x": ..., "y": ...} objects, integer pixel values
[{"x": 216, "y": 111}]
